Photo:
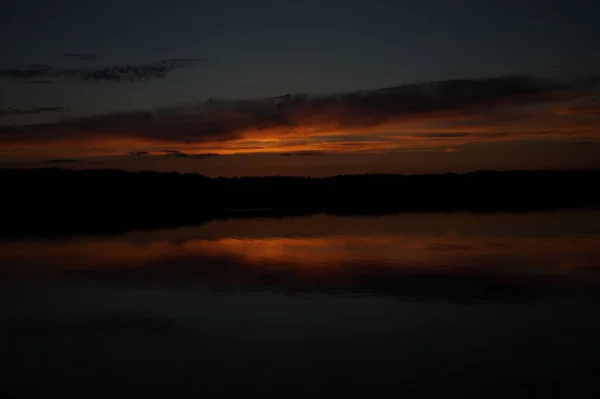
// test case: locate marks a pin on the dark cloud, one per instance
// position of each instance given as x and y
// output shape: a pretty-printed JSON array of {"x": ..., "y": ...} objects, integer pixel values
[
  {"x": 114, "y": 73},
  {"x": 31, "y": 111},
  {"x": 30, "y": 71},
  {"x": 203, "y": 156},
  {"x": 174, "y": 153},
  {"x": 222, "y": 120},
  {"x": 180, "y": 154},
  {"x": 139, "y": 153},
  {"x": 62, "y": 160},
  {"x": 80, "y": 56}
]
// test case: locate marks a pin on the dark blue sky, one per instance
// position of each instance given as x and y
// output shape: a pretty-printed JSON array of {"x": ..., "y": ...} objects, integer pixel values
[
  {"x": 268, "y": 48},
  {"x": 273, "y": 47}
]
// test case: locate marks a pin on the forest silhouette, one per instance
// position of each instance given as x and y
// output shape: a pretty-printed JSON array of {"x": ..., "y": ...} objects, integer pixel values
[{"x": 55, "y": 202}]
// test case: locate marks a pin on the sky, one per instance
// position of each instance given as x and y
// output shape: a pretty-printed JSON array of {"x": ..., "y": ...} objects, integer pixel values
[{"x": 256, "y": 87}]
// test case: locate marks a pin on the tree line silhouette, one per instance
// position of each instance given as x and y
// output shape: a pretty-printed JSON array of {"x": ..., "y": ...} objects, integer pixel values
[{"x": 61, "y": 201}]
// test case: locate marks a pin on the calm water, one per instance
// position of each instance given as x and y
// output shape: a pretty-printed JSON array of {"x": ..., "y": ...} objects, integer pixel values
[{"x": 425, "y": 305}]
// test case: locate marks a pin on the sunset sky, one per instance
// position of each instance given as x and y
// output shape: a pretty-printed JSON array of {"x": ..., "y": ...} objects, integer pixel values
[{"x": 257, "y": 87}]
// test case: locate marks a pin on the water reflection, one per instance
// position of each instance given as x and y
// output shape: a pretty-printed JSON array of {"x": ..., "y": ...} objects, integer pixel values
[
  {"x": 460, "y": 257},
  {"x": 416, "y": 304}
]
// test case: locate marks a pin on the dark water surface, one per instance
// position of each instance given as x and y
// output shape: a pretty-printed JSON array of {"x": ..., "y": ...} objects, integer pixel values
[{"x": 426, "y": 305}]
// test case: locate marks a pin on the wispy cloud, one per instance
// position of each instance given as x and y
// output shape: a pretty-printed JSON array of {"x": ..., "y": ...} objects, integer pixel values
[
  {"x": 300, "y": 153},
  {"x": 590, "y": 109},
  {"x": 31, "y": 111},
  {"x": 113, "y": 73},
  {"x": 444, "y": 135},
  {"x": 62, "y": 160},
  {"x": 80, "y": 56},
  {"x": 180, "y": 154}
]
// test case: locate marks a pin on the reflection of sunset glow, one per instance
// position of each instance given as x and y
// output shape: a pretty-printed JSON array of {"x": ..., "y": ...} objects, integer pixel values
[
  {"x": 305, "y": 253},
  {"x": 395, "y": 251}
]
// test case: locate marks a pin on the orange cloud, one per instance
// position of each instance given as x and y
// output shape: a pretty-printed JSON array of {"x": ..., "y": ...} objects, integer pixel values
[
  {"x": 443, "y": 114},
  {"x": 581, "y": 110}
]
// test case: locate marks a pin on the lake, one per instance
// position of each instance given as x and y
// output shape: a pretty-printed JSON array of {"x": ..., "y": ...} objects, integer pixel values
[{"x": 418, "y": 304}]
